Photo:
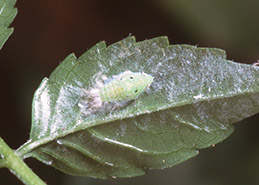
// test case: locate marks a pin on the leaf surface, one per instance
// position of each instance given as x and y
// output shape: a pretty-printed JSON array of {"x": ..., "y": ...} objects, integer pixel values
[
  {"x": 195, "y": 97},
  {"x": 7, "y": 15}
]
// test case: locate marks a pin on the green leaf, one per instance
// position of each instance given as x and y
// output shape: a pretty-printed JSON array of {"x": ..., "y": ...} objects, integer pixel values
[
  {"x": 195, "y": 97},
  {"x": 7, "y": 15}
]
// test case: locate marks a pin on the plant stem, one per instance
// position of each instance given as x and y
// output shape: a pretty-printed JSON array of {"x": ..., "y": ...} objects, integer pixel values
[
  {"x": 16, "y": 165},
  {"x": 2, "y": 163}
]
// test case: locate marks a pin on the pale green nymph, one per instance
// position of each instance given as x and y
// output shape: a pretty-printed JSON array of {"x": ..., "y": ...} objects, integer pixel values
[{"x": 123, "y": 87}]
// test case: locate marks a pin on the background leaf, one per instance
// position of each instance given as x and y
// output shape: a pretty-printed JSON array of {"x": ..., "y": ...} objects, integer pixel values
[
  {"x": 195, "y": 97},
  {"x": 201, "y": 18},
  {"x": 7, "y": 15}
]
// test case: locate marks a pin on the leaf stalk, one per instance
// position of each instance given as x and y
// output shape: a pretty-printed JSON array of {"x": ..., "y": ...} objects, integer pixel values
[{"x": 11, "y": 160}]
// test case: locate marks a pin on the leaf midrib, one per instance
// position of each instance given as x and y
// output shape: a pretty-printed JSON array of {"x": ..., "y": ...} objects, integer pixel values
[{"x": 24, "y": 150}]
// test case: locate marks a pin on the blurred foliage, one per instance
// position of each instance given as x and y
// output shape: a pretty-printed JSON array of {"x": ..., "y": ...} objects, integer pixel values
[
  {"x": 232, "y": 23},
  {"x": 7, "y": 15}
]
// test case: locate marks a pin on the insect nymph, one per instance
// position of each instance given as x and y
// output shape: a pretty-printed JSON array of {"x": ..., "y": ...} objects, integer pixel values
[{"x": 123, "y": 87}]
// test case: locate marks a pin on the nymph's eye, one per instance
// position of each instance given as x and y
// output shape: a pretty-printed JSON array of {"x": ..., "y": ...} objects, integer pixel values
[
  {"x": 131, "y": 77},
  {"x": 136, "y": 91}
]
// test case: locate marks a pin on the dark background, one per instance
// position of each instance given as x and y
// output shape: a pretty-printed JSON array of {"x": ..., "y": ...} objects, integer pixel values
[{"x": 47, "y": 31}]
